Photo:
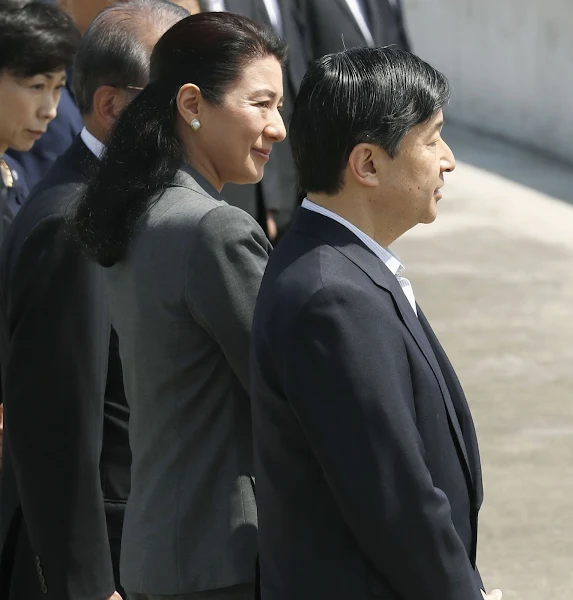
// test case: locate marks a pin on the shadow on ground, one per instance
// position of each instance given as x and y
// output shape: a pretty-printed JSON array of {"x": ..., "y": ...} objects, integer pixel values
[{"x": 542, "y": 173}]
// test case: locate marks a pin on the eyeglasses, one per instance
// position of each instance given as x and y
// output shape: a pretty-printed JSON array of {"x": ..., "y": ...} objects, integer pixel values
[{"x": 126, "y": 87}]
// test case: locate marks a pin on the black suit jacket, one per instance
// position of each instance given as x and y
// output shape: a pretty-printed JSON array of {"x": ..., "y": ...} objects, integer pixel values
[
  {"x": 367, "y": 465},
  {"x": 332, "y": 26},
  {"x": 65, "y": 475},
  {"x": 278, "y": 191}
]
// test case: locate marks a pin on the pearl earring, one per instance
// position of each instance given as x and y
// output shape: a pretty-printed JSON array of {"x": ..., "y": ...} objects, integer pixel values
[{"x": 195, "y": 124}]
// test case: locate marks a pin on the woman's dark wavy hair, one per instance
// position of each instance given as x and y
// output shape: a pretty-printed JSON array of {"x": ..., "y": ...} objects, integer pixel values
[
  {"x": 143, "y": 154},
  {"x": 36, "y": 38}
]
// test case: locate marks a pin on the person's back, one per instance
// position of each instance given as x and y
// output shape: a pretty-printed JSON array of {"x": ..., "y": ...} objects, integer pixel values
[
  {"x": 185, "y": 365},
  {"x": 183, "y": 271},
  {"x": 60, "y": 353}
]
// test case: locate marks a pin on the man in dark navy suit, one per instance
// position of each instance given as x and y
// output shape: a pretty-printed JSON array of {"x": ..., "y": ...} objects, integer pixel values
[
  {"x": 367, "y": 463},
  {"x": 66, "y": 465}
]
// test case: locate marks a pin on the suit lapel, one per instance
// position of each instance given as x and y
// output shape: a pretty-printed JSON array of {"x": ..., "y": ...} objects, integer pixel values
[
  {"x": 384, "y": 22},
  {"x": 414, "y": 325},
  {"x": 296, "y": 63},
  {"x": 344, "y": 5},
  {"x": 80, "y": 158},
  {"x": 347, "y": 243},
  {"x": 464, "y": 417},
  {"x": 377, "y": 21}
]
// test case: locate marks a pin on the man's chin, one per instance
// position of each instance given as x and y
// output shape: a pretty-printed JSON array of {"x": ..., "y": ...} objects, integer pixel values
[{"x": 430, "y": 216}]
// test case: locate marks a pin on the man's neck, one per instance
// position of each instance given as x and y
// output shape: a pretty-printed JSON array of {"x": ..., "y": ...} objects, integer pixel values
[
  {"x": 362, "y": 213},
  {"x": 92, "y": 125}
]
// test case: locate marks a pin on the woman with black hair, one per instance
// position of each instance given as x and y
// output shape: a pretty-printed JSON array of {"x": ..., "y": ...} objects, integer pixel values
[
  {"x": 184, "y": 269},
  {"x": 37, "y": 44}
]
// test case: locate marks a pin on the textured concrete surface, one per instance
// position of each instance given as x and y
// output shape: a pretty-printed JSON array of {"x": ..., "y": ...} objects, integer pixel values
[
  {"x": 509, "y": 62},
  {"x": 494, "y": 275}
]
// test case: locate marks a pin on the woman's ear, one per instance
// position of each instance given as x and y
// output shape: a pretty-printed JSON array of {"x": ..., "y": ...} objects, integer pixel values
[{"x": 189, "y": 101}]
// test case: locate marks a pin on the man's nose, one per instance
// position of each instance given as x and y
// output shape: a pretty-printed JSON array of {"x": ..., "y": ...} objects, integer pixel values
[{"x": 448, "y": 161}]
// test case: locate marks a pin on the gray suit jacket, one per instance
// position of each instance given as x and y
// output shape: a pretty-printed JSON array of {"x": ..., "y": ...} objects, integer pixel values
[{"x": 182, "y": 302}]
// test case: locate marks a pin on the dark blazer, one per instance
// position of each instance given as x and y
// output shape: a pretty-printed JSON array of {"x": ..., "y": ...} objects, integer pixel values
[
  {"x": 5, "y": 212},
  {"x": 65, "y": 475},
  {"x": 278, "y": 191},
  {"x": 332, "y": 27},
  {"x": 57, "y": 139},
  {"x": 368, "y": 472},
  {"x": 20, "y": 190},
  {"x": 182, "y": 301}
]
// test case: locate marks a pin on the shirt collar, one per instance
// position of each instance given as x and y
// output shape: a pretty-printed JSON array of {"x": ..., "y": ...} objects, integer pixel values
[
  {"x": 386, "y": 255},
  {"x": 96, "y": 147}
]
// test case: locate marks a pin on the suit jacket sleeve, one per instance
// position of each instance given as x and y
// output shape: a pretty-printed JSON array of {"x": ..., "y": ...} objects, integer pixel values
[
  {"x": 228, "y": 260},
  {"x": 347, "y": 377},
  {"x": 59, "y": 334}
]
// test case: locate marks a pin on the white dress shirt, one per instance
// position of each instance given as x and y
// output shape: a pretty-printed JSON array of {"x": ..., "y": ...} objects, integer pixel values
[
  {"x": 389, "y": 259},
  {"x": 274, "y": 11},
  {"x": 93, "y": 144},
  {"x": 360, "y": 19},
  {"x": 215, "y": 6}
]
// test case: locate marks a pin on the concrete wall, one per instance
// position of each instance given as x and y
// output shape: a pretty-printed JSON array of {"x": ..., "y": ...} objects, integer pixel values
[{"x": 510, "y": 63}]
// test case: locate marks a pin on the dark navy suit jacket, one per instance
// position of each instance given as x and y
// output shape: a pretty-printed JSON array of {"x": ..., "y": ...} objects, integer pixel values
[
  {"x": 366, "y": 458},
  {"x": 66, "y": 459}
]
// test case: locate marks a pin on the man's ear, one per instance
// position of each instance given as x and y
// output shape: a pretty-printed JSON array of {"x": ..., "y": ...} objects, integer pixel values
[
  {"x": 189, "y": 100},
  {"x": 108, "y": 102},
  {"x": 362, "y": 164}
]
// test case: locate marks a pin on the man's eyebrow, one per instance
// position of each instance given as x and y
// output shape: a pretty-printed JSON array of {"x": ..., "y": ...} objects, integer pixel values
[{"x": 438, "y": 125}]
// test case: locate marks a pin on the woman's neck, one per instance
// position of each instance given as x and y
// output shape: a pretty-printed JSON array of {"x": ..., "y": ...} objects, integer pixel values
[{"x": 208, "y": 172}]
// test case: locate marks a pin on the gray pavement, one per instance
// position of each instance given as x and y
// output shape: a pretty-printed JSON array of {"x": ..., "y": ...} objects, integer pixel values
[{"x": 494, "y": 275}]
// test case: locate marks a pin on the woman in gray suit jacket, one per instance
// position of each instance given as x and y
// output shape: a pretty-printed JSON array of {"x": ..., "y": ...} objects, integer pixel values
[{"x": 184, "y": 269}]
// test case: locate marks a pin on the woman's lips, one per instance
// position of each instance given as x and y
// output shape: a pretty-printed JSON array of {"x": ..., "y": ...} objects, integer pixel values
[{"x": 263, "y": 154}]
